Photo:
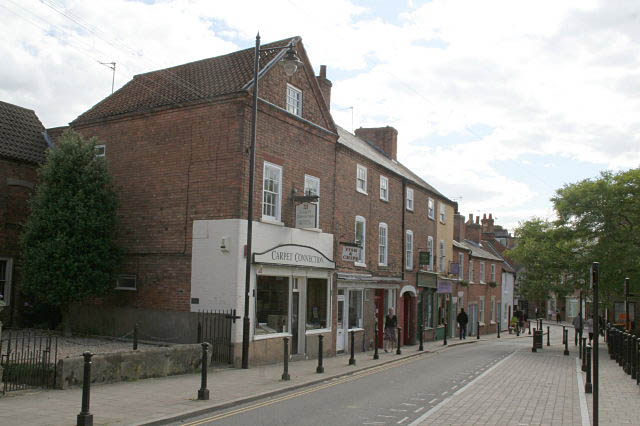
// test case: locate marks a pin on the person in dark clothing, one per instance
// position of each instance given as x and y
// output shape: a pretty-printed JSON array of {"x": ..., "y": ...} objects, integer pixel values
[
  {"x": 390, "y": 327},
  {"x": 462, "y": 319}
]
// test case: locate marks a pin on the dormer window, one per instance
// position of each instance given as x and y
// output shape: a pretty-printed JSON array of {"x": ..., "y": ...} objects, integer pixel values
[{"x": 294, "y": 100}]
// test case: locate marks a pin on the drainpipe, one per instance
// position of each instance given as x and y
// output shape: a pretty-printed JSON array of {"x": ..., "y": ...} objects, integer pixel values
[{"x": 402, "y": 205}]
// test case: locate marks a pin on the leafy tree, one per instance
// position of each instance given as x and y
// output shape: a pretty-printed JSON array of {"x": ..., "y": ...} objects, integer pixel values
[{"x": 68, "y": 245}]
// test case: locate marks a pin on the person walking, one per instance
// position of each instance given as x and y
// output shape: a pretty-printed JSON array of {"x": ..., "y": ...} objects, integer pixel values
[
  {"x": 390, "y": 327},
  {"x": 557, "y": 316},
  {"x": 589, "y": 326},
  {"x": 463, "y": 320}
]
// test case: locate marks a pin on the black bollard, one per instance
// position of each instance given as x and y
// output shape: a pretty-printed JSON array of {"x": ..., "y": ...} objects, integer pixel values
[
  {"x": 575, "y": 337},
  {"x": 563, "y": 335},
  {"x": 498, "y": 329},
  {"x": 548, "y": 336},
  {"x": 135, "y": 337},
  {"x": 529, "y": 325},
  {"x": 533, "y": 347},
  {"x": 584, "y": 354},
  {"x": 203, "y": 392},
  {"x": 421, "y": 347},
  {"x": 445, "y": 334},
  {"x": 637, "y": 355},
  {"x": 566, "y": 340},
  {"x": 478, "y": 333},
  {"x": 352, "y": 360},
  {"x": 579, "y": 346},
  {"x": 398, "y": 351},
  {"x": 517, "y": 330},
  {"x": 199, "y": 332},
  {"x": 85, "y": 418},
  {"x": 320, "y": 368},
  {"x": 375, "y": 340},
  {"x": 588, "y": 387},
  {"x": 629, "y": 352},
  {"x": 285, "y": 373},
  {"x": 634, "y": 358}
]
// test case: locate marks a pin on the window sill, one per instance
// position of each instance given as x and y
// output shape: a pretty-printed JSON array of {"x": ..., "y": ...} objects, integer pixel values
[
  {"x": 360, "y": 265},
  {"x": 383, "y": 265},
  {"x": 125, "y": 288},
  {"x": 355, "y": 329},
  {"x": 361, "y": 191},
  {"x": 318, "y": 230},
  {"x": 492, "y": 323},
  {"x": 386, "y": 201},
  {"x": 317, "y": 331},
  {"x": 270, "y": 221},
  {"x": 409, "y": 210},
  {"x": 432, "y": 218},
  {"x": 271, "y": 336}
]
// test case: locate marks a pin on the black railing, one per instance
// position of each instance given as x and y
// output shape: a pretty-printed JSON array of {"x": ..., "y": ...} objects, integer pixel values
[
  {"x": 28, "y": 359},
  {"x": 214, "y": 327}
]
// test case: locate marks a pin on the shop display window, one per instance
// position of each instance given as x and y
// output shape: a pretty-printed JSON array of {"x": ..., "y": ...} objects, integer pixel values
[
  {"x": 272, "y": 305},
  {"x": 317, "y": 303}
]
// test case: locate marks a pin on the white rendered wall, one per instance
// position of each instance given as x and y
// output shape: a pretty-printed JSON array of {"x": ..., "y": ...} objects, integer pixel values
[{"x": 508, "y": 282}]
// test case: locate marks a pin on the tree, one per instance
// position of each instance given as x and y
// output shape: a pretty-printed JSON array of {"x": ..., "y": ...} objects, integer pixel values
[{"x": 69, "y": 250}]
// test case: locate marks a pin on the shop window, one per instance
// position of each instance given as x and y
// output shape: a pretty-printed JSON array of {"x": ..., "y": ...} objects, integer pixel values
[
  {"x": 317, "y": 303},
  {"x": 493, "y": 308},
  {"x": 272, "y": 305},
  {"x": 355, "y": 308},
  {"x": 428, "y": 303}
]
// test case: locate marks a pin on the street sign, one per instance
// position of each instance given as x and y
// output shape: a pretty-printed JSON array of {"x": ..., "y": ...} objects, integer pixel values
[
  {"x": 351, "y": 253},
  {"x": 424, "y": 257},
  {"x": 306, "y": 215}
]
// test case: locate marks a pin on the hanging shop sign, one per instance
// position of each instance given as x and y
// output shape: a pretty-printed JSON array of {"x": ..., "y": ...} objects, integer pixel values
[
  {"x": 444, "y": 286},
  {"x": 306, "y": 215},
  {"x": 351, "y": 253}
]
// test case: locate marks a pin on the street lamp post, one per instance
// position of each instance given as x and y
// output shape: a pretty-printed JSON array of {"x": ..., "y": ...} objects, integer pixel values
[{"x": 291, "y": 63}]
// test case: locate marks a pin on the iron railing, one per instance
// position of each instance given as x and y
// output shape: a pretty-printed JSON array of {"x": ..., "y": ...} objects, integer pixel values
[
  {"x": 28, "y": 358},
  {"x": 214, "y": 327}
]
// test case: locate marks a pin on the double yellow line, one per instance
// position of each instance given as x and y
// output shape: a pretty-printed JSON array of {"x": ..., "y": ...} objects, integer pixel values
[{"x": 339, "y": 381}]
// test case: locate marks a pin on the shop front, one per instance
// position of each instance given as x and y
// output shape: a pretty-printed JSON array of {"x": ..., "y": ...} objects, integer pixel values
[{"x": 428, "y": 303}]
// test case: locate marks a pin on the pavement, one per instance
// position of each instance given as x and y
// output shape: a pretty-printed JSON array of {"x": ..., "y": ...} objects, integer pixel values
[{"x": 524, "y": 388}]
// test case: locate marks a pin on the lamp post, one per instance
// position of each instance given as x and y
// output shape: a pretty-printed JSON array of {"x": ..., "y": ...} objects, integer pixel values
[{"x": 291, "y": 63}]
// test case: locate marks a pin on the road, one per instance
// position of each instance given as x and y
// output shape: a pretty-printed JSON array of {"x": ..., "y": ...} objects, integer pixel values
[{"x": 395, "y": 393}]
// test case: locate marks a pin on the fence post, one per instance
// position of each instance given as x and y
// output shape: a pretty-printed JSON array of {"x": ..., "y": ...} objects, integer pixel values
[
  {"x": 285, "y": 373},
  {"x": 421, "y": 347},
  {"x": 398, "y": 351},
  {"x": 588, "y": 387},
  {"x": 135, "y": 337},
  {"x": 320, "y": 368},
  {"x": 444, "y": 343},
  {"x": 566, "y": 340},
  {"x": 352, "y": 360},
  {"x": 85, "y": 418},
  {"x": 203, "y": 392},
  {"x": 563, "y": 336}
]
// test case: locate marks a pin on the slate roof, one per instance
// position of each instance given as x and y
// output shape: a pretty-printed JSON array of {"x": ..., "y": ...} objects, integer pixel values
[
  {"x": 21, "y": 134},
  {"x": 478, "y": 251},
  {"x": 492, "y": 248},
  {"x": 183, "y": 84},
  {"x": 374, "y": 154}
]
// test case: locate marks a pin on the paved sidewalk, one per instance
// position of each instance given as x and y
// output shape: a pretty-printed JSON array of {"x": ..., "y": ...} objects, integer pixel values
[{"x": 143, "y": 401}]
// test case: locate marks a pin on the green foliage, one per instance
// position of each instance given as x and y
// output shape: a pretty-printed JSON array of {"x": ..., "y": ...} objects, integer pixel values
[
  {"x": 492, "y": 284},
  {"x": 463, "y": 283},
  {"x": 68, "y": 245}
]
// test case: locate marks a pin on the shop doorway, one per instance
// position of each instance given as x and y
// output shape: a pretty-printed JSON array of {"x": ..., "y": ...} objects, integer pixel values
[
  {"x": 472, "y": 327},
  {"x": 407, "y": 317},
  {"x": 341, "y": 326},
  {"x": 380, "y": 314}
]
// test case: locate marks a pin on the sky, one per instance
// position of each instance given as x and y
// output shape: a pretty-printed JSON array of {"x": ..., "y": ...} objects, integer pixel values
[{"x": 497, "y": 103}]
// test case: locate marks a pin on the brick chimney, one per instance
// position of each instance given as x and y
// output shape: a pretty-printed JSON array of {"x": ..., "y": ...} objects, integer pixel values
[
  {"x": 473, "y": 229},
  {"x": 488, "y": 232},
  {"x": 385, "y": 138},
  {"x": 325, "y": 85},
  {"x": 458, "y": 226}
]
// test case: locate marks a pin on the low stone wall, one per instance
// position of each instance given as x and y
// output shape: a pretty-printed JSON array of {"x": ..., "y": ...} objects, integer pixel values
[{"x": 132, "y": 365}]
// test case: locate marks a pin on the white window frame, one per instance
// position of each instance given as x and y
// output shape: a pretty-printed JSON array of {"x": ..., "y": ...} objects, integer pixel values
[
  {"x": 431, "y": 207},
  {"x": 128, "y": 277},
  {"x": 383, "y": 244},
  {"x": 408, "y": 264},
  {"x": 309, "y": 179},
  {"x": 493, "y": 309},
  {"x": 493, "y": 272},
  {"x": 410, "y": 199},
  {"x": 443, "y": 213},
  {"x": 362, "y": 188},
  {"x": 294, "y": 103},
  {"x": 363, "y": 257},
  {"x": 482, "y": 273},
  {"x": 101, "y": 150},
  {"x": 470, "y": 270},
  {"x": 384, "y": 188},
  {"x": 481, "y": 309},
  {"x": 431, "y": 252},
  {"x": 442, "y": 257},
  {"x": 7, "y": 280},
  {"x": 461, "y": 265},
  {"x": 278, "y": 205}
]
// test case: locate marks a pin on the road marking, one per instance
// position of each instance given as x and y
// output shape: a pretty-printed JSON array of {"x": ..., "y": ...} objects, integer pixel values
[
  {"x": 373, "y": 423},
  {"x": 408, "y": 403},
  {"x": 459, "y": 391},
  {"x": 444, "y": 393},
  {"x": 419, "y": 409},
  {"x": 386, "y": 417},
  {"x": 418, "y": 399},
  {"x": 403, "y": 420},
  {"x": 433, "y": 400},
  {"x": 454, "y": 387},
  {"x": 584, "y": 411},
  {"x": 397, "y": 410}
]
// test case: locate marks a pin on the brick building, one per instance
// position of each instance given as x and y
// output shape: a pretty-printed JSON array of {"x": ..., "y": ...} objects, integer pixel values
[{"x": 22, "y": 149}]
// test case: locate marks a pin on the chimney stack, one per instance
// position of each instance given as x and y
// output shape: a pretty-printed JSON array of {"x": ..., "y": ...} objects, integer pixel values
[
  {"x": 385, "y": 138},
  {"x": 325, "y": 85},
  {"x": 488, "y": 229}
]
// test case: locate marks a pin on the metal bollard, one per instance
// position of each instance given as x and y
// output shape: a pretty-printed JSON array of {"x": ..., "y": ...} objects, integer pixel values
[
  {"x": 398, "y": 351},
  {"x": 529, "y": 325},
  {"x": 352, "y": 360},
  {"x": 421, "y": 347},
  {"x": 498, "y": 329},
  {"x": 575, "y": 337},
  {"x": 629, "y": 352},
  {"x": 375, "y": 343},
  {"x": 85, "y": 418},
  {"x": 517, "y": 330},
  {"x": 203, "y": 392},
  {"x": 199, "y": 332},
  {"x": 135, "y": 337},
  {"x": 566, "y": 340},
  {"x": 478, "y": 324},
  {"x": 533, "y": 347},
  {"x": 285, "y": 373},
  {"x": 445, "y": 334},
  {"x": 584, "y": 354},
  {"x": 637, "y": 355},
  {"x": 548, "y": 336},
  {"x": 320, "y": 368},
  {"x": 563, "y": 335},
  {"x": 588, "y": 387},
  {"x": 634, "y": 358}
]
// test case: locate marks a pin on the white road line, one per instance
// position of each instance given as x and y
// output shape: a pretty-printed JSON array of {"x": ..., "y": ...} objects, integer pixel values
[
  {"x": 418, "y": 399},
  {"x": 403, "y": 420},
  {"x": 433, "y": 400},
  {"x": 584, "y": 411},
  {"x": 454, "y": 387},
  {"x": 408, "y": 403},
  {"x": 419, "y": 409},
  {"x": 373, "y": 423},
  {"x": 386, "y": 417},
  {"x": 444, "y": 393},
  {"x": 459, "y": 391},
  {"x": 397, "y": 410}
]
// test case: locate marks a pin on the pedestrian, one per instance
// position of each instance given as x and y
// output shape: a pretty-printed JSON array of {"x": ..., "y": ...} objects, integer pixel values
[
  {"x": 576, "y": 323},
  {"x": 589, "y": 326},
  {"x": 462, "y": 319},
  {"x": 557, "y": 316},
  {"x": 390, "y": 327},
  {"x": 550, "y": 314}
]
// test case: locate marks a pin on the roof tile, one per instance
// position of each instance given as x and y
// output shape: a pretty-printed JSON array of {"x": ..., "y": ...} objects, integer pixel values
[{"x": 21, "y": 134}]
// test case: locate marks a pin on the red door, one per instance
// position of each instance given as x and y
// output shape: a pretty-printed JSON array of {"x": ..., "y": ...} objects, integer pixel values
[{"x": 380, "y": 314}]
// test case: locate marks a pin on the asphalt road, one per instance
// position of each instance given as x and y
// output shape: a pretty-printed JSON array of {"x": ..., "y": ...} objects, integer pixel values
[{"x": 396, "y": 393}]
